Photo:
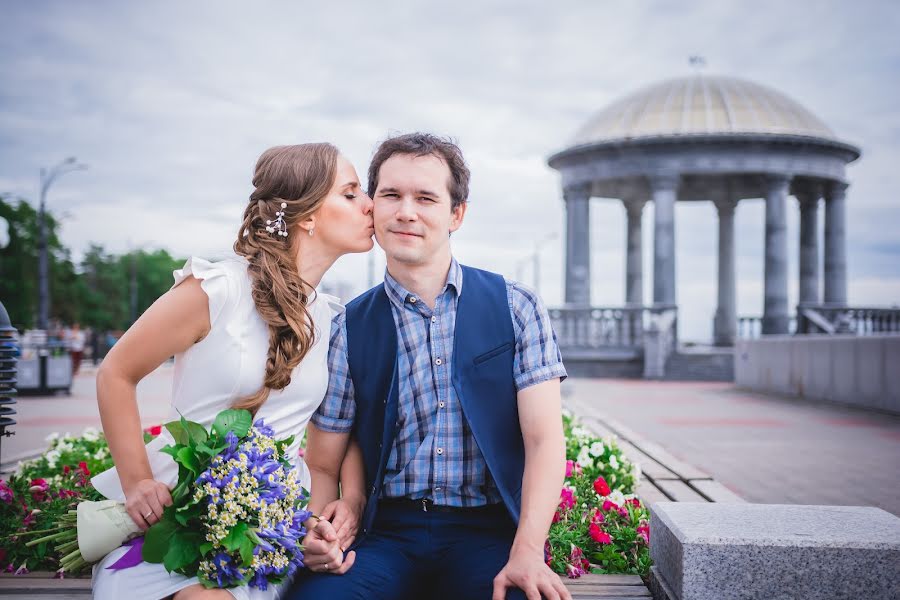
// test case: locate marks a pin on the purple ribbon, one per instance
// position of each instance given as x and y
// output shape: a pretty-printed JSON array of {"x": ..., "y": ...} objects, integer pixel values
[{"x": 130, "y": 558}]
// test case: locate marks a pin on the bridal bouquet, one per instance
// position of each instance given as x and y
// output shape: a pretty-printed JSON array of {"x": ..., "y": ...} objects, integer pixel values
[{"x": 236, "y": 519}]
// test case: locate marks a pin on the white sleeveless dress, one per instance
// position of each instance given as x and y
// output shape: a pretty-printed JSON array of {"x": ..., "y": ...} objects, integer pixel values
[{"x": 227, "y": 364}]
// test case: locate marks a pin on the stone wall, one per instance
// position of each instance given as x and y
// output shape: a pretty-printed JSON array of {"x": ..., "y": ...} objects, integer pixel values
[{"x": 856, "y": 370}]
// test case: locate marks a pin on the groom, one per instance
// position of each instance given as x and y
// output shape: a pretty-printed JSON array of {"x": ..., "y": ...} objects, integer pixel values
[{"x": 448, "y": 377}]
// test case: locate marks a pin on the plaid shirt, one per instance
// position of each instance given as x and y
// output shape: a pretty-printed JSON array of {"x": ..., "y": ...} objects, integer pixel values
[{"x": 435, "y": 455}]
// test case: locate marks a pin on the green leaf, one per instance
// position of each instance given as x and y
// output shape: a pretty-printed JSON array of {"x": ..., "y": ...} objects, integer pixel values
[
  {"x": 238, "y": 533},
  {"x": 181, "y": 490},
  {"x": 247, "y": 547},
  {"x": 236, "y": 420},
  {"x": 190, "y": 511},
  {"x": 182, "y": 551},
  {"x": 187, "y": 458},
  {"x": 171, "y": 450},
  {"x": 156, "y": 540},
  {"x": 178, "y": 431},
  {"x": 206, "y": 548}
]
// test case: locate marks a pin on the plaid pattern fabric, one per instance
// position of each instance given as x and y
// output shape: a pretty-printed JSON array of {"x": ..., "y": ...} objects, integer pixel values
[{"x": 435, "y": 455}]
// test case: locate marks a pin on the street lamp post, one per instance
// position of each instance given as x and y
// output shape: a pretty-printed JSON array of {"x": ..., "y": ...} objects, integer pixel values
[
  {"x": 535, "y": 258},
  {"x": 47, "y": 178}
]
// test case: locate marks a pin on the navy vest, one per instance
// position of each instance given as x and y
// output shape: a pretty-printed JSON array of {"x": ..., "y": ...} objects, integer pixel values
[{"x": 483, "y": 347}]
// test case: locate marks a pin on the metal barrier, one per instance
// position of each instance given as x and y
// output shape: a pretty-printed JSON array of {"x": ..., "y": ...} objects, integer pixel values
[{"x": 8, "y": 353}]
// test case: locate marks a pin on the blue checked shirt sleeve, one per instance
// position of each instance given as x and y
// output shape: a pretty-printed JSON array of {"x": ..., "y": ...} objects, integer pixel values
[
  {"x": 338, "y": 409},
  {"x": 537, "y": 358}
]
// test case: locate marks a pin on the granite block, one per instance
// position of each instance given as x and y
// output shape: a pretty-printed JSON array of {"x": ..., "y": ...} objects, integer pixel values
[{"x": 706, "y": 551}]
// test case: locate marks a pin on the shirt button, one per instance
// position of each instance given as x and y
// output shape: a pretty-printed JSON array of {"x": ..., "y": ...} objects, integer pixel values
[
  {"x": 437, "y": 489},
  {"x": 434, "y": 319},
  {"x": 440, "y": 450},
  {"x": 441, "y": 404},
  {"x": 413, "y": 299},
  {"x": 438, "y": 362}
]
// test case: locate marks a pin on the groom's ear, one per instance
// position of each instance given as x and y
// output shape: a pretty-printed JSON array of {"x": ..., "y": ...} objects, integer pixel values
[{"x": 457, "y": 215}]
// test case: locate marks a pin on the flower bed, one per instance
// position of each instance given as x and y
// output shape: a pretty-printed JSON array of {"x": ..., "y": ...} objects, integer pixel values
[
  {"x": 42, "y": 490},
  {"x": 599, "y": 525}
]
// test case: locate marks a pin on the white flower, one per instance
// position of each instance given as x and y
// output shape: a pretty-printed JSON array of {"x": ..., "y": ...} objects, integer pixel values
[
  {"x": 597, "y": 448},
  {"x": 613, "y": 461},
  {"x": 52, "y": 456},
  {"x": 617, "y": 496},
  {"x": 583, "y": 456},
  {"x": 580, "y": 432},
  {"x": 91, "y": 434},
  {"x": 51, "y": 438}
]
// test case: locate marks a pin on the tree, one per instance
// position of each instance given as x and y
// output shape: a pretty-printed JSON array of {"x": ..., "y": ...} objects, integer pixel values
[{"x": 95, "y": 294}]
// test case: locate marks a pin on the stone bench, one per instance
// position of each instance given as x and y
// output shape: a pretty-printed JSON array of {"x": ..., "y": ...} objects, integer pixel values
[
  {"x": 718, "y": 551},
  {"x": 42, "y": 586}
]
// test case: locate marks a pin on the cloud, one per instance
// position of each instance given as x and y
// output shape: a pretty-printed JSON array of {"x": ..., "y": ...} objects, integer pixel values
[{"x": 171, "y": 103}]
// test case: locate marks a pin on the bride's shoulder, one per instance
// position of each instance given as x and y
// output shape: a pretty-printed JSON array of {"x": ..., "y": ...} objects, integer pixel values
[{"x": 224, "y": 280}]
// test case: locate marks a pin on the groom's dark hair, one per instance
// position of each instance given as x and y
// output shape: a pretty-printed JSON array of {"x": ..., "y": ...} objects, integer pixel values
[{"x": 423, "y": 144}]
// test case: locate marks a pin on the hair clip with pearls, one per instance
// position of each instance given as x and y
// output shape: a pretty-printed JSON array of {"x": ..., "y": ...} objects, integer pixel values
[{"x": 278, "y": 226}]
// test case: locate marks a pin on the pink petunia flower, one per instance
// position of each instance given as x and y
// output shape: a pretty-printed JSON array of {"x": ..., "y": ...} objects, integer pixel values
[
  {"x": 598, "y": 535},
  {"x": 609, "y": 505},
  {"x": 6, "y": 493},
  {"x": 567, "y": 499},
  {"x": 644, "y": 531}
]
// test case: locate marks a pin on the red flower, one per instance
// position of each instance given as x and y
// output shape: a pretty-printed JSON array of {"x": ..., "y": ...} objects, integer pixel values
[
  {"x": 82, "y": 466},
  {"x": 68, "y": 494},
  {"x": 570, "y": 465},
  {"x": 608, "y": 505},
  {"x": 39, "y": 489},
  {"x": 578, "y": 564},
  {"x": 634, "y": 502},
  {"x": 597, "y": 517},
  {"x": 601, "y": 487},
  {"x": 155, "y": 430},
  {"x": 6, "y": 494},
  {"x": 598, "y": 535}
]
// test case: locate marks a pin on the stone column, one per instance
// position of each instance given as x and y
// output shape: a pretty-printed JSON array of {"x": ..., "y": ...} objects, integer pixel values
[
  {"x": 665, "y": 190},
  {"x": 809, "y": 244},
  {"x": 835, "y": 244},
  {"x": 578, "y": 246},
  {"x": 725, "y": 322},
  {"x": 634, "y": 251},
  {"x": 775, "y": 306}
]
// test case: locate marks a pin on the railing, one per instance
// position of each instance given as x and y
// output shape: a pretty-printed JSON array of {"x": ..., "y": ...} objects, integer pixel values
[
  {"x": 830, "y": 319},
  {"x": 852, "y": 320},
  {"x": 598, "y": 327}
]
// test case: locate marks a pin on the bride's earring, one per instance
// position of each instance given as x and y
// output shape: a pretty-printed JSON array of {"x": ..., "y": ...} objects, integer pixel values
[{"x": 311, "y": 231}]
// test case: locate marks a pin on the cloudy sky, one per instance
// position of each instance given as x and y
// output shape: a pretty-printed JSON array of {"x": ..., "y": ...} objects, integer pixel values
[{"x": 170, "y": 104}]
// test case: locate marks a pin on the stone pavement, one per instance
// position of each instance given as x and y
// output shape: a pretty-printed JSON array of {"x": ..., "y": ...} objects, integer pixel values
[
  {"x": 766, "y": 449},
  {"x": 39, "y": 416}
]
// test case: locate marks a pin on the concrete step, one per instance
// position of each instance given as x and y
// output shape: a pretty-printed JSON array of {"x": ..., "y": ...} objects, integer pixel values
[{"x": 699, "y": 365}]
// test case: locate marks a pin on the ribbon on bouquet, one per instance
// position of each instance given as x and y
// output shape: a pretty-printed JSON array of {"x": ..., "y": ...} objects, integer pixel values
[{"x": 130, "y": 558}]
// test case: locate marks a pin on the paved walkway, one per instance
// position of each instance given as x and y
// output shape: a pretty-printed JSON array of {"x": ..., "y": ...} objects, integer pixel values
[
  {"x": 38, "y": 416},
  {"x": 766, "y": 449}
]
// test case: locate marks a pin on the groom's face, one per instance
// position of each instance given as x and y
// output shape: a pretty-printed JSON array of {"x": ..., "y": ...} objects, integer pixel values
[{"x": 413, "y": 209}]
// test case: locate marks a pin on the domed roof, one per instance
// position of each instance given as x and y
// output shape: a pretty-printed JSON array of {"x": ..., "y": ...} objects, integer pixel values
[{"x": 701, "y": 105}]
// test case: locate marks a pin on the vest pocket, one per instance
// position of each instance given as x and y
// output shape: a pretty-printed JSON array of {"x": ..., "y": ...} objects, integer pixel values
[{"x": 492, "y": 353}]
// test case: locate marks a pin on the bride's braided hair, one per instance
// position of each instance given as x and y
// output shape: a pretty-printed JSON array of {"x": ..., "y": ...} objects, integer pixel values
[{"x": 300, "y": 176}]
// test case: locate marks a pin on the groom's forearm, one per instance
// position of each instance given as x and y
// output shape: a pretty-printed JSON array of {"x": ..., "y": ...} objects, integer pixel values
[{"x": 545, "y": 464}]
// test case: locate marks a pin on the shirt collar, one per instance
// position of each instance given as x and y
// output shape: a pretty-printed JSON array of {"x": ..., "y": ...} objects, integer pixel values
[{"x": 400, "y": 295}]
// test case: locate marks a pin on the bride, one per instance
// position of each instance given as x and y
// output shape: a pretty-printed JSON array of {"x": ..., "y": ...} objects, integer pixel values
[{"x": 247, "y": 332}]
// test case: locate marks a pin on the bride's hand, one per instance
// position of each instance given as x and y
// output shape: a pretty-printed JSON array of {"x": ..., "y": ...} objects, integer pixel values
[
  {"x": 345, "y": 515},
  {"x": 145, "y": 501}
]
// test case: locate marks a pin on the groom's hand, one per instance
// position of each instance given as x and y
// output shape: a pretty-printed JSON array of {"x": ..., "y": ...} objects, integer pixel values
[
  {"x": 528, "y": 572},
  {"x": 345, "y": 515},
  {"x": 322, "y": 551}
]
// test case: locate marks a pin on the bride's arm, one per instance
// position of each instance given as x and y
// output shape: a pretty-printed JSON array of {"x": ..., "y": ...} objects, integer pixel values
[{"x": 172, "y": 324}]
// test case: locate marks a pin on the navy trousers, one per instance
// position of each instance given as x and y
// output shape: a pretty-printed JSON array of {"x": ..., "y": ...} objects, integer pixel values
[{"x": 410, "y": 554}]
